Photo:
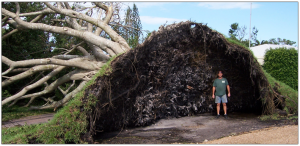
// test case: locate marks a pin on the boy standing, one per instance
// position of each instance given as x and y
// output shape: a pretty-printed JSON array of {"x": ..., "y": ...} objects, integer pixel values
[{"x": 220, "y": 85}]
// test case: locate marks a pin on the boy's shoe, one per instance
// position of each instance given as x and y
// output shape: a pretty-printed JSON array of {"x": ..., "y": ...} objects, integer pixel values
[
  {"x": 217, "y": 116},
  {"x": 226, "y": 117}
]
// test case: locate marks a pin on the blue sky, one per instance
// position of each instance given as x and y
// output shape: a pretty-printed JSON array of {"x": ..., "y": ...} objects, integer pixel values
[{"x": 272, "y": 19}]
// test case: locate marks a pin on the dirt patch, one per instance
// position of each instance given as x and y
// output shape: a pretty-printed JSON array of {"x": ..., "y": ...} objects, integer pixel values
[{"x": 194, "y": 129}]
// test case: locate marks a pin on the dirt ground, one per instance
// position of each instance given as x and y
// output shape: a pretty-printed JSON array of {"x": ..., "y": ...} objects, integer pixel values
[
  {"x": 273, "y": 135},
  {"x": 207, "y": 129}
]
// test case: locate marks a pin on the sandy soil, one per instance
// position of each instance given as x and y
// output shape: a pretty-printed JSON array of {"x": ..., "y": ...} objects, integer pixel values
[
  {"x": 274, "y": 135},
  {"x": 206, "y": 129}
]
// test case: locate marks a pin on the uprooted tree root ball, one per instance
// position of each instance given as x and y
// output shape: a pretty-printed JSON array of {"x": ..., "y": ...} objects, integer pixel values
[{"x": 171, "y": 75}]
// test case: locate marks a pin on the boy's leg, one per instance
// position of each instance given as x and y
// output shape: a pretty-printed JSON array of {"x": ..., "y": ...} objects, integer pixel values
[
  {"x": 225, "y": 108},
  {"x": 218, "y": 102},
  {"x": 224, "y": 101},
  {"x": 218, "y": 108}
]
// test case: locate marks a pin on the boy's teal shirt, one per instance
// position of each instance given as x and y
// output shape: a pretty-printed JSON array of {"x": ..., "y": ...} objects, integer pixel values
[{"x": 220, "y": 85}]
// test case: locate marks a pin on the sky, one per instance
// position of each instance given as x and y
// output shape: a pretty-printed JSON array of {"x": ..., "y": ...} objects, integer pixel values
[{"x": 272, "y": 19}]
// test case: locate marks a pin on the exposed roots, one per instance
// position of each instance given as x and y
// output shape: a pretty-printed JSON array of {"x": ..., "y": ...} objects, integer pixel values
[{"x": 171, "y": 75}]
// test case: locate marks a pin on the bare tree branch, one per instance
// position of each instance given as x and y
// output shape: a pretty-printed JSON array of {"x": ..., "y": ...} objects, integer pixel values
[
  {"x": 82, "y": 50},
  {"x": 59, "y": 5},
  {"x": 16, "y": 30},
  {"x": 74, "y": 75},
  {"x": 81, "y": 27},
  {"x": 65, "y": 92},
  {"x": 27, "y": 73},
  {"x": 106, "y": 20},
  {"x": 95, "y": 49},
  {"x": 87, "y": 36},
  {"x": 32, "y": 86},
  {"x": 74, "y": 47},
  {"x": 45, "y": 11},
  {"x": 18, "y": 9},
  {"x": 58, "y": 20},
  {"x": 66, "y": 57},
  {"x": 100, "y": 5},
  {"x": 9, "y": 34},
  {"x": 114, "y": 36},
  {"x": 4, "y": 20},
  {"x": 17, "y": 70},
  {"x": 63, "y": 101},
  {"x": 83, "y": 63}
]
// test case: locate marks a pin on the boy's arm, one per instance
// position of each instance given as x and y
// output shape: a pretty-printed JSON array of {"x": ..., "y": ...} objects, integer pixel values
[
  {"x": 228, "y": 89},
  {"x": 213, "y": 93}
]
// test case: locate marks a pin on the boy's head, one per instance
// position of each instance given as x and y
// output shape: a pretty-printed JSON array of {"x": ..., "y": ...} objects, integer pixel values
[{"x": 220, "y": 73}]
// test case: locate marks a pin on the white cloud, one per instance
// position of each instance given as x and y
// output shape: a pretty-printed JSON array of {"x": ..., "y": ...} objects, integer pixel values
[
  {"x": 148, "y": 4},
  {"x": 141, "y": 5},
  {"x": 159, "y": 20},
  {"x": 228, "y": 5}
]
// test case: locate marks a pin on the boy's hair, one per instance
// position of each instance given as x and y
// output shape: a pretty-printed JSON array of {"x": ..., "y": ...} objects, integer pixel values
[{"x": 218, "y": 73}]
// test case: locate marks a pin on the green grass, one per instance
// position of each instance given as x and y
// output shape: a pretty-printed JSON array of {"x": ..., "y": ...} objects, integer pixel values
[
  {"x": 270, "y": 117},
  {"x": 17, "y": 134},
  {"x": 276, "y": 116},
  {"x": 287, "y": 91},
  {"x": 237, "y": 43}
]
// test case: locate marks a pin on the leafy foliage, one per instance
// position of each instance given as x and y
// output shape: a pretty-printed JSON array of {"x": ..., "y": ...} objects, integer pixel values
[{"x": 282, "y": 64}]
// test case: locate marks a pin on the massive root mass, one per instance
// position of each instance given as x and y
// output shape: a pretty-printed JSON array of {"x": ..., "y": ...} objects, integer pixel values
[{"x": 171, "y": 75}]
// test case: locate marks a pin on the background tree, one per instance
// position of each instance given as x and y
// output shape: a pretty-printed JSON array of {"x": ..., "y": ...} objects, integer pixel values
[
  {"x": 278, "y": 41},
  {"x": 128, "y": 22},
  {"x": 137, "y": 25},
  {"x": 74, "y": 42},
  {"x": 254, "y": 41},
  {"x": 238, "y": 33},
  {"x": 132, "y": 30}
]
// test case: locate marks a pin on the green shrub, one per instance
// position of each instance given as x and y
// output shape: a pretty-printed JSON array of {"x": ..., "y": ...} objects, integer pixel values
[{"x": 282, "y": 64}]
